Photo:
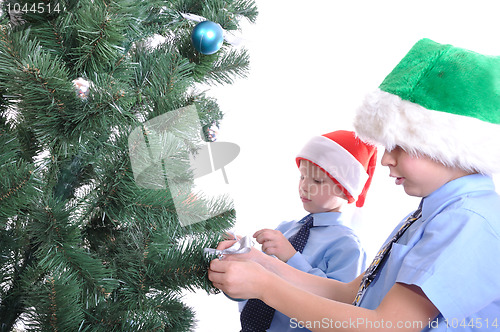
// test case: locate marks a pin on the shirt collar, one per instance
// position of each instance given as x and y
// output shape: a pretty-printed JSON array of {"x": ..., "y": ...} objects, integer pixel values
[
  {"x": 328, "y": 219},
  {"x": 453, "y": 189}
]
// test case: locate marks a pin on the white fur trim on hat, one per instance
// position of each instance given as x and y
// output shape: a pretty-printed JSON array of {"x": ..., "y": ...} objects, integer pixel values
[
  {"x": 453, "y": 140},
  {"x": 337, "y": 162}
]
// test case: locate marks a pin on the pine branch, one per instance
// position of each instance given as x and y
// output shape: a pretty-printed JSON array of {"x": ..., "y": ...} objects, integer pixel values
[
  {"x": 245, "y": 8},
  {"x": 100, "y": 32},
  {"x": 163, "y": 77},
  {"x": 68, "y": 272},
  {"x": 229, "y": 66},
  {"x": 12, "y": 302},
  {"x": 16, "y": 180},
  {"x": 38, "y": 83}
]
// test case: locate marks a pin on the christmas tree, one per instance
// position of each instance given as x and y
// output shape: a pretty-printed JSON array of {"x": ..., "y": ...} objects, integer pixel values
[{"x": 84, "y": 246}]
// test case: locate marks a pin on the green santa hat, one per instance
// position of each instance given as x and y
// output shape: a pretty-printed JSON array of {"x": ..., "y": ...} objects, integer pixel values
[{"x": 440, "y": 101}]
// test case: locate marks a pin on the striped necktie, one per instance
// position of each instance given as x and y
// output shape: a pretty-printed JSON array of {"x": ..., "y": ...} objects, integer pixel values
[
  {"x": 257, "y": 316},
  {"x": 373, "y": 269}
]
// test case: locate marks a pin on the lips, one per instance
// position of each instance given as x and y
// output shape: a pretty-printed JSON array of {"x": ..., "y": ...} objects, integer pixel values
[
  {"x": 399, "y": 179},
  {"x": 304, "y": 199}
]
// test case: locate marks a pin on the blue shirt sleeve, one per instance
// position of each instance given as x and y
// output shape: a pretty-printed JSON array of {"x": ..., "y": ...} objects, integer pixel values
[
  {"x": 344, "y": 260},
  {"x": 456, "y": 262}
]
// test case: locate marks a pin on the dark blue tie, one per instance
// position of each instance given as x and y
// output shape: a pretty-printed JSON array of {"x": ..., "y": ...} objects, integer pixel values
[
  {"x": 299, "y": 239},
  {"x": 257, "y": 316}
]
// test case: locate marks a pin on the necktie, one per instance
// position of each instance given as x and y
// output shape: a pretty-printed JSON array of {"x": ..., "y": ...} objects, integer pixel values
[
  {"x": 299, "y": 239},
  {"x": 373, "y": 269},
  {"x": 257, "y": 316}
]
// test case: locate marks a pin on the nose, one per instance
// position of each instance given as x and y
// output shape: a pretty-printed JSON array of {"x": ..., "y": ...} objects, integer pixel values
[
  {"x": 303, "y": 186},
  {"x": 388, "y": 159}
]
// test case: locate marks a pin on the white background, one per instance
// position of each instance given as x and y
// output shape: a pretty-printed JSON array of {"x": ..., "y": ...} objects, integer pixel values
[{"x": 311, "y": 64}]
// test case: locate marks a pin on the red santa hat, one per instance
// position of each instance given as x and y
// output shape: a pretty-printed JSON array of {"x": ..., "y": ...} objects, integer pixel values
[{"x": 346, "y": 159}]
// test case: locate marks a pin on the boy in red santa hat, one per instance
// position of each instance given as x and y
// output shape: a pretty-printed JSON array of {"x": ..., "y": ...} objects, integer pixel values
[{"x": 335, "y": 169}]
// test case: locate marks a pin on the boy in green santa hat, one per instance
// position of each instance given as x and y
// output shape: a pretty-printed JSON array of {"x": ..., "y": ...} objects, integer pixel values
[{"x": 438, "y": 116}]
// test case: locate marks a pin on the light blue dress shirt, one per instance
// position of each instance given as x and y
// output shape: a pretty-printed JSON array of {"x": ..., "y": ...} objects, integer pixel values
[
  {"x": 332, "y": 250},
  {"x": 453, "y": 254}
]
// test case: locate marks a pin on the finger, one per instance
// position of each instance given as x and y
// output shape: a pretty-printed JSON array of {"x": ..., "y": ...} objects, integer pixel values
[
  {"x": 266, "y": 250},
  {"x": 256, "y": 234},
  {"x": 265, "y": 235},
  {"x": 218, "y": 266},
  {"x": 215, "y": 278},
  {"x": 259, "y": 232},
  {"x": 269, "y": 248},
  {"x": 217, "y": 285}
]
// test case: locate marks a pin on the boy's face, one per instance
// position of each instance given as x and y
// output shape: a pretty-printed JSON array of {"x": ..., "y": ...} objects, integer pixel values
[
  {"x": 419, "y": 175},
  {"x": 317, "y": 191}
]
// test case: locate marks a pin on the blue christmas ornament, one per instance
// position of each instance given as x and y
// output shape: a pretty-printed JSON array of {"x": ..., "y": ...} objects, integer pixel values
[{"x": 207, "y": 37}]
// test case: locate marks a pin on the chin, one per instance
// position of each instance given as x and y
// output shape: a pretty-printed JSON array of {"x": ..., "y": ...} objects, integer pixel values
[
  {"x": 414, "y": 193},
  {"x": 311, "y": 210}
]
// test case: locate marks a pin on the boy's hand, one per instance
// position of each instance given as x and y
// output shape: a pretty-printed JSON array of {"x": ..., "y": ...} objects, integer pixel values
[
  {"x": 254, "y": 254},
  {"x": 275, "y": 243},
  {"x": 238, "y": 279}
]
